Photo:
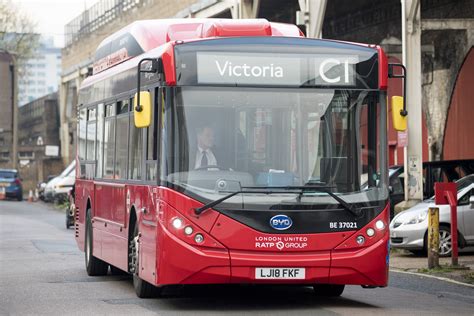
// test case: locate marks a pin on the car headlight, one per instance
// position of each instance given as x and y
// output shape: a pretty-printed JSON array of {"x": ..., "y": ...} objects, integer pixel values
[{"x": 418, "y": 218}]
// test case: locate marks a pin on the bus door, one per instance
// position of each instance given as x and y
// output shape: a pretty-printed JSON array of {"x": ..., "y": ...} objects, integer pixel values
[
  {"x": 149, "y": 192},
  {"x": 110, "y": 209}
]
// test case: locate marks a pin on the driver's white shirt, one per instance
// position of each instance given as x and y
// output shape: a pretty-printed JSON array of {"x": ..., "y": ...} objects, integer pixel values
[{"x": 211, "y": 159}]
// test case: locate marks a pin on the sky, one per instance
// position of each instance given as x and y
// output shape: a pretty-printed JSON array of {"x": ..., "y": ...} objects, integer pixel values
[{"x": 50, "y": 16}]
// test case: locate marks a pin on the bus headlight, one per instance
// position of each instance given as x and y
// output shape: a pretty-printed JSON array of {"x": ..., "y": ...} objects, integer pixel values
[
  {"x": 199, "y": 238},
  {"x": 379, "y": 224},
  {"x": 188, "y": 230},
  {"x": 360, "y": 239},
  {"x": 370, "y": 232},
  {"x": 177, "y": 223}
]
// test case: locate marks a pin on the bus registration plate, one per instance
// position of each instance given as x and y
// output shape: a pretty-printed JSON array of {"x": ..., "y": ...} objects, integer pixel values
[{"x": 280, "y": 273}]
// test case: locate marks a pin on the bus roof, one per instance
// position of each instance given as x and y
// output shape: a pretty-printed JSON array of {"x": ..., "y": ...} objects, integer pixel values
[{"x": 142, "y": 36}]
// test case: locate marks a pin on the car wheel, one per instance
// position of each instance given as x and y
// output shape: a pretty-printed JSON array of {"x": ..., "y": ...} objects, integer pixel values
[
  {"x": 445, "y": 244},
  {"x": 142, "y": 288},
  {"x": 328, "y": 290},
  {"x": 94, "y": 266}
]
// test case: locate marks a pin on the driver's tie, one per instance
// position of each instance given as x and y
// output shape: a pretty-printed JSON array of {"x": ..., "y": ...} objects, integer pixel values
[{"x": 204, "y": 161}]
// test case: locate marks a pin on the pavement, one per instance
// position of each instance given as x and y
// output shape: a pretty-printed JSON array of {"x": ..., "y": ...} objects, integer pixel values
[{"x": 406, "y": 261}]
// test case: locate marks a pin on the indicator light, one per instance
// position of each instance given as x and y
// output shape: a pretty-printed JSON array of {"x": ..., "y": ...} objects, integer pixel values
[
  {"x": 199, "y": 238},
  {"x": 177, "y": 223},
  {"x": 379, "y": 224},
  {"x": 360, "y": 239},
  {"x": 188, "y": 230},
  {"x": 370, "y": 232}
]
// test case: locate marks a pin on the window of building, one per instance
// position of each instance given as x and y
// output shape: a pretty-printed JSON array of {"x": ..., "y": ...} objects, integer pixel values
[{"x": 26, "y": 155}]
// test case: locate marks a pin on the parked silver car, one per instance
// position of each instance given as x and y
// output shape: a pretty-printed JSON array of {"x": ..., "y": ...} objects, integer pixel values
[{"x": 408, "y": 229}]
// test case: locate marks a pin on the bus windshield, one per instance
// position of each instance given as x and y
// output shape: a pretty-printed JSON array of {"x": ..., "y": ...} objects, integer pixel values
[{"x": 217, "y": 140}]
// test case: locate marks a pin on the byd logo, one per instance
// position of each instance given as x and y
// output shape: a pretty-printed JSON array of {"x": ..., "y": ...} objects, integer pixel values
[{"x": 280, "y": 222}]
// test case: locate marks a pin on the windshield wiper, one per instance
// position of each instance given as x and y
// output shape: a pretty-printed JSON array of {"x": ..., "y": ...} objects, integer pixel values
[
  {"x": 326, "y": 189},
  {"x": 264, "y": 190},
  {"x": 281, "y": 189},
  {"x": 321, "y": 187}
]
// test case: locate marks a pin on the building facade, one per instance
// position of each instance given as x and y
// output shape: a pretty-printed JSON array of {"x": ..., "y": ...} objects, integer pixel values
[
  {"x": 38, "y": 140},
  {"x": 8, "y": 109},
  {"x": 40, "y": 74}
]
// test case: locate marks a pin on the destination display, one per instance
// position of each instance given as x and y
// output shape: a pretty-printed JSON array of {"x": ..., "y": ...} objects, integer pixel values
[
  {"x": 277, "y": 69},
  {"x": 286, "y": 62}
]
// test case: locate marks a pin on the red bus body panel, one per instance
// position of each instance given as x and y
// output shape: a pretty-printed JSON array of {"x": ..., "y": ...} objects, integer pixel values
[{"x": 231, "y": 250}]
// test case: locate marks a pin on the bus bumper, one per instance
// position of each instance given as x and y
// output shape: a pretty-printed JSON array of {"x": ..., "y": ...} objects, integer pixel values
[{"x": 182, "y": 263}]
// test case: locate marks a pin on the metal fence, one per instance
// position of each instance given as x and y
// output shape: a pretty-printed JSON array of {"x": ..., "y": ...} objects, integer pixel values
[{"x": 100, "y": 14}]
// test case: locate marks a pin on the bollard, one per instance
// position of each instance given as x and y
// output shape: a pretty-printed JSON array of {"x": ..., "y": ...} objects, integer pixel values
[
  {"x": 433, "y": 238},
  {"x": 453, "y": 202},
  {"x": 445, "y": 193}
]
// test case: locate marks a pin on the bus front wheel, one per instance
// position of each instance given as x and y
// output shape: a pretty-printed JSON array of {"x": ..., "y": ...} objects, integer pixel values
[
  {"x": 328, "y": 290},
  {"x": 142, "y": 288},
  {"x": 94, "y": 266}
]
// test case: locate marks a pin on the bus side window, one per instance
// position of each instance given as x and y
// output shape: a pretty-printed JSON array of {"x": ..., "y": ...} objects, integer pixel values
[
  {"x": 152, "y": 139},
  {"x": 81, "y": 143},
  {"x": 121, "y": 145},
  {"x": 135, "y": 150},
  {"x": 109, "y": 141}
]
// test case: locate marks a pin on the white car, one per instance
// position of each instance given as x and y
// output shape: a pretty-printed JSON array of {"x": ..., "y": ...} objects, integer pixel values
[
  {"x": 62, "y": 187},
  {"x": 50, "y": 186},
  {"x": 408, "y": 229}
]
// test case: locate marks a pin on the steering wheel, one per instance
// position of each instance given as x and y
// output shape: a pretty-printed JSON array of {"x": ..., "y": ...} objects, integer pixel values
[{"x": 211, "y": 167}]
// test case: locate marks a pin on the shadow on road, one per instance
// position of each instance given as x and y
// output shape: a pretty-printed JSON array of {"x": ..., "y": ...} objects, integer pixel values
[{"x": 224, "y": 298}]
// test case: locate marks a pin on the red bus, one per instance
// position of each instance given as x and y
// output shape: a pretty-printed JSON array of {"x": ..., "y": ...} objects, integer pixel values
[{"x": 254, "y": 155}]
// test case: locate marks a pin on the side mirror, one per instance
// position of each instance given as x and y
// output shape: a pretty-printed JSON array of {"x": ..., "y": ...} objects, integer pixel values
[
  {"x": 142, "y": 111},
  {"x": 398, "y": 119},
  {"x": 471, "y": 201}
]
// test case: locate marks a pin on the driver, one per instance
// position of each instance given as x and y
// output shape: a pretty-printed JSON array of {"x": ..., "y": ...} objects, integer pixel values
[{"x": 205, "y": 142}]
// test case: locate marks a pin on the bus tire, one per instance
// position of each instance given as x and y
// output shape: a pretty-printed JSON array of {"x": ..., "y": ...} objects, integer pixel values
[
  {"x": 94, "y": 266},
  {"x": 328, "y": 290},
  {"x": 142, "y": 288}
]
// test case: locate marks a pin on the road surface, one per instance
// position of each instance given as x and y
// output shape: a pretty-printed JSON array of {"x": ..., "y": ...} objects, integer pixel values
[{"x": 42, "y": 273}]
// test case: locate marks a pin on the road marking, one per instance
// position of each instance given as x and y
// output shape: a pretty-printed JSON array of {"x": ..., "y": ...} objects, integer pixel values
[{"x": 433, "y": 277}]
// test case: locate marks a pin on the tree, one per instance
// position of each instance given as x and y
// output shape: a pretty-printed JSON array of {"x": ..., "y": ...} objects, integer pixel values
[{"x": 17, "y": 31}]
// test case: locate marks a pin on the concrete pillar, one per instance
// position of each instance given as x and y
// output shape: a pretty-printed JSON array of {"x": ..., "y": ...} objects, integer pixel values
[
  {"x": 249, "y": 9},
  {"x": 312, "y": 16},
  {"x": 411, "y": 43},
  {"x": 63, "y": 125}
]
